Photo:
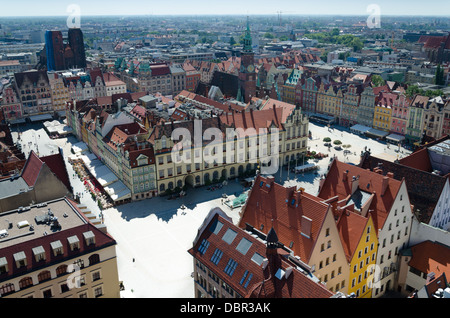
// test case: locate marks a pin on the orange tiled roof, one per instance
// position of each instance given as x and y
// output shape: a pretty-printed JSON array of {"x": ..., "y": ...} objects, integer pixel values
[
  {"x": 338, "y": 182},
  {"x": 430, "y": 257},
  {"x": 271, "y": 205}
]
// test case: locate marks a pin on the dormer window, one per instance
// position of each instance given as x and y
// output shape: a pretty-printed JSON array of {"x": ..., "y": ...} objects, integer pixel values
[
  {"x": 89, "y": 238},
  {"x": 20, "y": 259},
  {"x": 39, "y": 253},
  {"x": 3, "y": 265},
  {"x": 74, "y": 243},
  {"x": 57, "y": 248}
]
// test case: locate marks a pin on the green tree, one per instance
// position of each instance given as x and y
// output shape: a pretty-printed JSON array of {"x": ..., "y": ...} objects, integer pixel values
[
  {"x": 377, "y": 81},
  {"x": 232, "y": 41},
  {"x": 439, "y": 77}
]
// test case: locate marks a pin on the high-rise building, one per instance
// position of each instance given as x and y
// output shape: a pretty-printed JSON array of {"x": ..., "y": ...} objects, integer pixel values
[
  {"x": 63, "y": 56},
  {"x": 76, "y": 43},
  {"x": 55, "y": 50}
]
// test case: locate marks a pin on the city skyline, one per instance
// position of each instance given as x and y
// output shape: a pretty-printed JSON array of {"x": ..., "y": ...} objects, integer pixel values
[{"x": 233, "y": 7}]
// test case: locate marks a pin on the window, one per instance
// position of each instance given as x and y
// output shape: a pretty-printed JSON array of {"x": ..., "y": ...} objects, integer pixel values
[
  {"x": 94, "y": 259},
  {"x": 98, "y": 291},
  {"x": 96, "y": 276},
  {"x": 74, "y": 243},
  {"x": 231, "y": 267},
  {"x": 203, "y": 246},
  {"x": 25, "y": 282},
  {"x": 217, "y": 255},
  {"x": 61, "y": 270},
  {"x": 89, "y": 238},
  {"x": 44, "y": 276},
  {"x": 47, "y": 293}
]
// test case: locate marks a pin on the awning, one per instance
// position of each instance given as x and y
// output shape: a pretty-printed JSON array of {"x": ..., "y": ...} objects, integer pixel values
[
  {"x": 377, "y": 133},
  {"x": 360, "y": 129},
  {"x": 395, "y": 137},
  {"x": 40, "y": 117}
]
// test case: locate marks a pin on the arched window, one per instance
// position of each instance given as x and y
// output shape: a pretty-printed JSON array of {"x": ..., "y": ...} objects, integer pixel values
[
  {"x": 162, "y": 187},
  {"x": 44, "y": 276},
  {"x": 61, "y": 270},
  {"x": 94, "y": 259},
  {"x": 7, "y": 289},
  {"x": 25, "y": 282}
]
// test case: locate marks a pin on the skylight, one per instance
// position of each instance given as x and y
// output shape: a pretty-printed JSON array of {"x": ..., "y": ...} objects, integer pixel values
[
  {"x": 229, "y": 236},
  {"x": 243, "y": 246},
  {"x": 231, "y": 267},
  {"x": 203, "y": 246},
  {"x": 245, "y": 280},
  {"x": 216, "y": 227},
  {"x": 215, "y": 258},
  {"x": 257, "y": 258}
]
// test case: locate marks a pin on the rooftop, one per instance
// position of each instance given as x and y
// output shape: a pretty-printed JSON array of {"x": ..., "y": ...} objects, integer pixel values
[{"x": 35, "y": 221}]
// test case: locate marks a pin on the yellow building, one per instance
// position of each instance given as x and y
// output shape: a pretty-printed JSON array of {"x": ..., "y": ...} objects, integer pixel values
[
  {"x": 383, "y": 111},
  {"x": 59, "y": 92},
  {"x": 57, "y": 250},
  {"x": 329, "y": 100},
  {"x": 360, "y": 242}
]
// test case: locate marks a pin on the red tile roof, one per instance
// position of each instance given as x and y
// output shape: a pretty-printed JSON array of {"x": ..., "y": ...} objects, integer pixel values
[
  {"x": 419, "y": 160},
  {"x": 32, "y": 168},
  {"x": 430, "y": 257},
  {"x": 263, "y": 283},
  {"x": 58, "y": 167},
  {"x": 272, "y": 205},
  {"x": 351, "y": 227},
  {"x": 338, "y": 182}
]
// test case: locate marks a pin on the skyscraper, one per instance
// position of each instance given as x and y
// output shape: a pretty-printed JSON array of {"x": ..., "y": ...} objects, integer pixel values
[
  {"x": 63, "y": 56},
  {"x": 76, "y": 43},
  {"x": 55, "y": 50}
]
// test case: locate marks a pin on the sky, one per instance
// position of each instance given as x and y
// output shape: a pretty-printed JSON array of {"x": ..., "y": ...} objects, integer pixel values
[{"x": 241, "y": 7}]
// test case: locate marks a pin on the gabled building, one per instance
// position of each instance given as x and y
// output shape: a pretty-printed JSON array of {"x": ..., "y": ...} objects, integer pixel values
[
  {"x": 366, "y": 109},
  {"x": 33, "y": 88},
  {"x": 415, "y": 122},
  {"x": 10, "y": 105},
  {"x": 231, "y": 262},
  {"x": 387, "y": 202},
  {"x": 350, "y": 105},
  {"x": 304, "y": 223},
  {"x": 41, "y": 180}
]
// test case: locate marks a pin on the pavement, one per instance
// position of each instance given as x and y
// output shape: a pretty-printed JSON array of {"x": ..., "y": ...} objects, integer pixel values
[{"x": 154, "y": 235}]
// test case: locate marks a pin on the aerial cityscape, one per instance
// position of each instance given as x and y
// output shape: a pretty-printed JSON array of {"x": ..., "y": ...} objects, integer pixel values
[{"x": 232, "y": 151}]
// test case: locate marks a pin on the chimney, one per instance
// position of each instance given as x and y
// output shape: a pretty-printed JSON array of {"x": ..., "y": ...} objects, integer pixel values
[
  {"x": 384, "y": 185},
  {"x": 344, "y": 177},
  {"x": 390, "y": 175},
  {"x": 355, "y": 183}
]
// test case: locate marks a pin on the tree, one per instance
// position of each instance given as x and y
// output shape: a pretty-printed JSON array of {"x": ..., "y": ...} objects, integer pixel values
[
  {"x": 439, "y": 77},
  {"x": 377, "y": 80},
  {"x": 232, "y": 41}
]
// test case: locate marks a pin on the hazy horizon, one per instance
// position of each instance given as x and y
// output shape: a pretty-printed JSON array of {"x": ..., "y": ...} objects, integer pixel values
[{"x": 59, "y": 8}]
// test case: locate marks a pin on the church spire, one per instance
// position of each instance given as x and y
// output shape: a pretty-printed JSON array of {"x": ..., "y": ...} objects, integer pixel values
[{"x": 248, "y": 38}]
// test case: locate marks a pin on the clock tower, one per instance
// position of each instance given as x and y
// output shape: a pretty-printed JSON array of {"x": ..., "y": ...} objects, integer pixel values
[{"x": 247, "y": 74}]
